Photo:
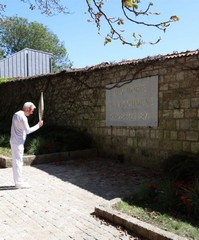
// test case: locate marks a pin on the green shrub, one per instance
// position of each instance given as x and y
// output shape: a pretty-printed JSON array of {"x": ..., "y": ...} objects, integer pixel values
[
  {"x": 157, "y": 193},
  {"x": 5, "y": 140},
  {"x": 3, "y": 80},
  {"x": 193, "y": 195},
  {"x": 35, "y": 146},
  {"x": 166, "y": 195},
  {"x": 51, "y": 139},
  {"x": 146, "y": 192},
  {"x": 182, "y": 167},
  {"x": 178, "y": 190}
]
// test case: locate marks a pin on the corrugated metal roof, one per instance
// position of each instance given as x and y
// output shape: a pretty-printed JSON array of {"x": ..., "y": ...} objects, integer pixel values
[
  {"x": 27, "y": 62},
  {"x": 26, "y": 49}
]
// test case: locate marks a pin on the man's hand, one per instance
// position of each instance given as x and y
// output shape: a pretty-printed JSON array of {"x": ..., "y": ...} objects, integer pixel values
[{"x": 40, "y": 123}]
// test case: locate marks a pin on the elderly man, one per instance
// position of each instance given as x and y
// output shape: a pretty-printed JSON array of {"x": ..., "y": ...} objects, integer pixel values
[{"x": 19, "y": 130}]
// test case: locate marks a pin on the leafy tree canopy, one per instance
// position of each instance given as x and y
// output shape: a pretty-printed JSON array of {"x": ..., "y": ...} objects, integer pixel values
[
  {"x": 17, "y": 33},
  {"x": 133, "y": 11}
]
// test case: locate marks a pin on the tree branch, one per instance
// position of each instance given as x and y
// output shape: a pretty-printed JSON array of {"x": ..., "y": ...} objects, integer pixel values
[
  {"x": 130, "y": 10},
  {"x": 116, "y": 34}
]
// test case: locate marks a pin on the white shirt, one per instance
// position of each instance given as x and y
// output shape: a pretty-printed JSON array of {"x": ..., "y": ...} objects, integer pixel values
[{"x": 20, "y": 128}]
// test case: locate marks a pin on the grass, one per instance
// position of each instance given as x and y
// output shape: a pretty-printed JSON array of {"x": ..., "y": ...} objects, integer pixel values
[
  {"x": 164, "y": 221},
  {"x": 5, "y": 145},
  {"x": 5, "y": 151}
]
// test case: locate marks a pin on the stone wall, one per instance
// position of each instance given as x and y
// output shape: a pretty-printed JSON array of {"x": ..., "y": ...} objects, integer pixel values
[{"x": 78, "y": 98}]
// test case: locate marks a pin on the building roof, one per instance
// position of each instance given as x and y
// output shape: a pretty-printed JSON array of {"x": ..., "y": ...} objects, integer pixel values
[
  {"x": 146, "y": 59},
  {"x": 25, "y": 50}
]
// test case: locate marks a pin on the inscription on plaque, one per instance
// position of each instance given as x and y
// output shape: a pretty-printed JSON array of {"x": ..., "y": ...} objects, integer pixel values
[{"x": 133, "y": 104}]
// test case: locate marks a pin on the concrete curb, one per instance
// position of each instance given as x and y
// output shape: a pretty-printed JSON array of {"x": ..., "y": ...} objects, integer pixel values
[
  {"x": 6, "y": 162},
  {"x": 133, "y": 224}
]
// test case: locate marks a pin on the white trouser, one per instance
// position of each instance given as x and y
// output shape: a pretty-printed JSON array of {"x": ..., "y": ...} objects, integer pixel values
[{"x": 17, "y": 162}]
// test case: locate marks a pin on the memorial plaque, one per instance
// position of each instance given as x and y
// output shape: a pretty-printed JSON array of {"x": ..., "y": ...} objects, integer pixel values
[{"x": 133, "y": 104}]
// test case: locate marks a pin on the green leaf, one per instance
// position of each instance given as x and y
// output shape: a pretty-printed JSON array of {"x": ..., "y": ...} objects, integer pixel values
[
  {"x": 128, "y": 3},
  {"x": 138, "y": 44},
  {"x": 135, "y": 6},
  {"x": 107, "y": 40}
]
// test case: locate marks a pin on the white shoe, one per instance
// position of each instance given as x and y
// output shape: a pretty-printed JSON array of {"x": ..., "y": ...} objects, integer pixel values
[{"x": 23, "y": 186}]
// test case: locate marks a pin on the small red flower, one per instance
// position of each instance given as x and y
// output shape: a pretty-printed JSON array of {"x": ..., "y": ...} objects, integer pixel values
[{"x": 186, "y": 201}]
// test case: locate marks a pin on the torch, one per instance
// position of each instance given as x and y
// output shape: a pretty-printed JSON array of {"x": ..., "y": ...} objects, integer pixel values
[{"x": 41, "y": 107}]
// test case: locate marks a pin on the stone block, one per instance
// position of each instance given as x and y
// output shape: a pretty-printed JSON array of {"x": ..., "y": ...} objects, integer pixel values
[
  {"x": 178, "y": 113},
  {"x": 192, "y": 136}
]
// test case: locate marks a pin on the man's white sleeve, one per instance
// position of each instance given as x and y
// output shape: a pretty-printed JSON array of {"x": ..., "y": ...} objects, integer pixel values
[{"x": 27, "y": 128}]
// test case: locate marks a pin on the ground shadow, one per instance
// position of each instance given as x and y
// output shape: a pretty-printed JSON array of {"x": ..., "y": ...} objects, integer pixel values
[
  {"x": 3, "y": 188},
  {"x": 103, "y": 177}
]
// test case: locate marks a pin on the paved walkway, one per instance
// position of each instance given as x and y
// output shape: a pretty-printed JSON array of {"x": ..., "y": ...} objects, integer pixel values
[{"x": 62, "y": 199}]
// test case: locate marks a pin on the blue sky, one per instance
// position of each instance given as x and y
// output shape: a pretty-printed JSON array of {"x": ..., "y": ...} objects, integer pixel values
[{"x": 86, "y": 47}]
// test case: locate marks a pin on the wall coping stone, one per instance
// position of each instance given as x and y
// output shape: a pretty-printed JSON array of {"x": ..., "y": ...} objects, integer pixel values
[{"x": 135, "y": 225}]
